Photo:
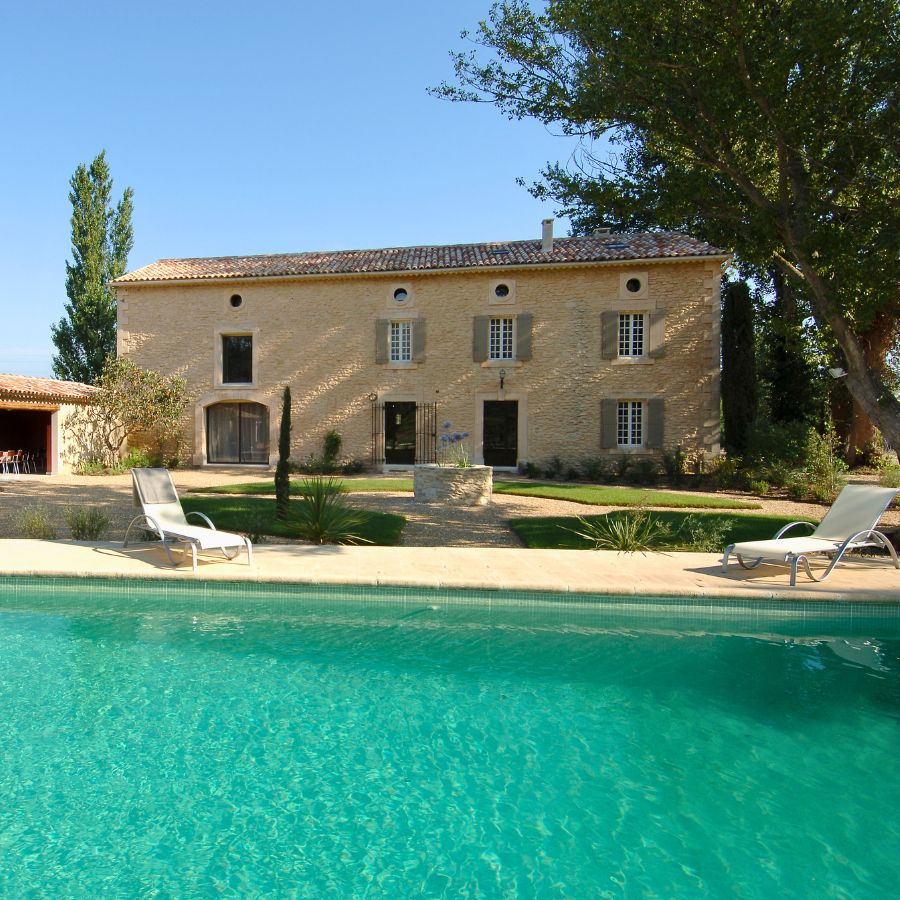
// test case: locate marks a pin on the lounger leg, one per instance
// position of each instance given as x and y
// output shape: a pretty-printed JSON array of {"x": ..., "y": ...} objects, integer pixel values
[
  {"x": 727, "y": 553},
  {"x": 194, "y": 557},
  {"x": 249, "y": 552}
]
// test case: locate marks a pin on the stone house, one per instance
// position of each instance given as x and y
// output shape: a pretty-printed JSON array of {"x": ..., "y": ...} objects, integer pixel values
[
  {"x": 33, "y": 414},
  {"x": 577, "y": 347}
]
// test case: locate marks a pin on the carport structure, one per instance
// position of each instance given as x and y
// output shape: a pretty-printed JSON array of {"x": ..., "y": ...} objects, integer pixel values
[{"x": 32, "y": 414}]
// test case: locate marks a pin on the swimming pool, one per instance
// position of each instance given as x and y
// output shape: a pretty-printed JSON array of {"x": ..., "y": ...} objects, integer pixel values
[{"x": 194, "y": 740}]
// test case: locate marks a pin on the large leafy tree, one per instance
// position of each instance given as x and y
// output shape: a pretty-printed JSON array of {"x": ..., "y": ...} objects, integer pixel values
[
  {"x": 767, "y": 126},
  {"x": 101, "y": 240}
]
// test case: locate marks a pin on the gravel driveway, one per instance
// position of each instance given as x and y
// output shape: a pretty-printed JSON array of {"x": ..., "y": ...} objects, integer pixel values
[{"x": 428, "y": 525}]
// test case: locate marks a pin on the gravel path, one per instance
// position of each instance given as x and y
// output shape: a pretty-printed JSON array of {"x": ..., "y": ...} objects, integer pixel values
[{"x": 428, "y": 525}]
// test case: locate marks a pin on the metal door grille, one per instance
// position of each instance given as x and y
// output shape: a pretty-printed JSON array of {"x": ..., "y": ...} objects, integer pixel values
[{"x": 426, "y": 433}]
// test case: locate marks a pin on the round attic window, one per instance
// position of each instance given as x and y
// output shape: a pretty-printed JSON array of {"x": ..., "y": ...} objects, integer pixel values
[
  {"x": 236, "y": 301},
  {"x": 401, "y": 294},
  {"x": 502, "y": 290},
  {"x": 633, "y": 285}
]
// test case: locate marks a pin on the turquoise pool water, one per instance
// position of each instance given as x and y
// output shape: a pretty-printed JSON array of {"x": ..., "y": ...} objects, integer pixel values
[{"x": 163, "y": 741}]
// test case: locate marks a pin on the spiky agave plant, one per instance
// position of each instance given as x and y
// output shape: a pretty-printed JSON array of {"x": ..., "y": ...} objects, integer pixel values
[{"x": 321, "y": 515}]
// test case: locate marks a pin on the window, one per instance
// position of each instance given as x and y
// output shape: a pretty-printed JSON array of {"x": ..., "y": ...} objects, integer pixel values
[
  {"x": 631, "y": 334},
  {"x": 630, "y": 423},
  {"x": 401, "y": 342},
  {"x": 633, "y": 285},
  {"x": 500, "y": 339},
  {"x": 236, "y": 301},
  {"x": 237, "y": 433},
  {"x": 237, "y": 359},
  {"x": 401, "y": 295}
]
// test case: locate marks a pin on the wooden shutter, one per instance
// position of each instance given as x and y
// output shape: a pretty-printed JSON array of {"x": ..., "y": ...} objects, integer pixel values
[
  {"x": 480, "y": 338},
  {"x": 657, "y": 334},
  {"x": 523, "y": 335},
  {"x": 381, "y": 340},
  {"x": 609, "y": 424},
  {"x": 418, "y": 340},
  {"x": 609, "y": 337},
  {"x": 655, "y": 424}
]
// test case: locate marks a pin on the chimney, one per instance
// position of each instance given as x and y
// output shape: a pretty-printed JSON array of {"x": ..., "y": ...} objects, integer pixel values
[{"x": 547, "y": 235}]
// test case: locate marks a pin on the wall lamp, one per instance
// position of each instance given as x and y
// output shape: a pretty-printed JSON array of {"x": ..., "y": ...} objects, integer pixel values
[{"x": 502, "y": 378}]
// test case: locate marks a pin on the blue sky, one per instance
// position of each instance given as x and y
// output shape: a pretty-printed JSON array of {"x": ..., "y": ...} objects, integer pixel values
[{"x": 247, "y": 128}]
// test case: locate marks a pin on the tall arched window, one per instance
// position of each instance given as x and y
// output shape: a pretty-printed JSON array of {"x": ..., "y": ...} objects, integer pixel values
[{"x": 237, "y": 433}]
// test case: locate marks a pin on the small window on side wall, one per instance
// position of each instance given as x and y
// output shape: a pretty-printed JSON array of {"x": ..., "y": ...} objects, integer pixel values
[{"x": 237, "y": 359}]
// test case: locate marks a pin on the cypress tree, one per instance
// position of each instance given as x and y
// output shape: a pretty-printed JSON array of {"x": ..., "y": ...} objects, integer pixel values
[
  {"x": 739, "y": 394},
  {"x": 282, "y": 470},
  {"x": 101, "y": 240}
]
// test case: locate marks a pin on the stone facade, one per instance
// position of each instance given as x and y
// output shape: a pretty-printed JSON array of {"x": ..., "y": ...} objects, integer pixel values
[{"x": 327, "y": 337}]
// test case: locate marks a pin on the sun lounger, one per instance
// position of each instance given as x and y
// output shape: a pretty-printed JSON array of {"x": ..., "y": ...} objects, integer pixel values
[
  {"x": 848, "y": 525},
  {"x": 161, "y": 513}
]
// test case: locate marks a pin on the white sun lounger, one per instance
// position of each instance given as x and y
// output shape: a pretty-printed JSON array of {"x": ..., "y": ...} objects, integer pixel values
[
  {"x": 848, "y": 525},
  {"x": 154, "y": 492}
]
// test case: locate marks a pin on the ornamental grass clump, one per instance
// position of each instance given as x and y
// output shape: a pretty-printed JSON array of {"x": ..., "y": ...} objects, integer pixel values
[
  {"x": 633, "y": 531},
  {"x": 321, "y": 515}
]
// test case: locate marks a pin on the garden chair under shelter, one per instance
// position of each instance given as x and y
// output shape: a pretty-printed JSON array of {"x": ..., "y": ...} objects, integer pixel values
[
  {"x": 161, "y": 513},
  {"x": 848, "y": 525}
]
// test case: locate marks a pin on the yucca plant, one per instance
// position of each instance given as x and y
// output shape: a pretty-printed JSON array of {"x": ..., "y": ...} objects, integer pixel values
[
  {"x": 321, "y": 515},
  {"x": 634, "y": 531}
]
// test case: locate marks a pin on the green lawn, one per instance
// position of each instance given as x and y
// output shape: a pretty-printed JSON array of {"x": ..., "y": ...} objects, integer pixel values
[
  {"x": 257, "y": 515},
  {"x": 550, "y": 533},
  {"x": 603, "y": 495},
  {"x": 590, "y": 494},
  {"x": 363, "y": 485}
]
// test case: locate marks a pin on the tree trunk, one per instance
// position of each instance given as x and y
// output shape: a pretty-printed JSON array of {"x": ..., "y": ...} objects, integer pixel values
[{"x": 868, "y": 385}]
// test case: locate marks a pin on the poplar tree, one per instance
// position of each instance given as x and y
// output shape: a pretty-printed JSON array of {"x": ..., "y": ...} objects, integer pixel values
[{"x": 101, "y": 240}]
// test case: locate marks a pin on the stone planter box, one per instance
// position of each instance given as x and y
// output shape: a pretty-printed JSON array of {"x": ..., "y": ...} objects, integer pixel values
[{"x": 470, "y": 486}]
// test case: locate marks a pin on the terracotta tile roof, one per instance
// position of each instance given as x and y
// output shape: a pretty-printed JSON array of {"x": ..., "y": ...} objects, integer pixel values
[
  {"x": 45, "y": 390},
  {"x": 601, "y": 248}
]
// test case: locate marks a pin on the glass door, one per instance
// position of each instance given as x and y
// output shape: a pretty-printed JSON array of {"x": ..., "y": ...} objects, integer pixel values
[{"x": 237, "y": 433}]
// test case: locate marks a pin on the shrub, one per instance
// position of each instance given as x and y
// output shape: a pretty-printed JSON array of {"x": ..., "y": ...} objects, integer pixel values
[
  {"x": 594, "y": 469},
  {"x": 622, "y": 465},
  {"x": 644, "y": 471},
  {"x": 529, "y": 470},
  {"x": 331, "y": 448},
  {"x": 89, "y": 468},
  {"x": 891, "y": 477},
  {"x": 822, "y": 475},
  {"x": 628, "y": 532},
  {"x": 705, "y": 534},
  {"x": 554, "y": 468},
  {"x": 572, "y": 474},
  {"x": 673, "y": 463},
  {"x": 726, "y": 472},
  {"x": 138, "y": 458},
  {"x": 86, "y": 523},
  {"x": 758, "y": 486},
  {"x": 35, "y": 523},
  {"x": 323, "y": 517}
]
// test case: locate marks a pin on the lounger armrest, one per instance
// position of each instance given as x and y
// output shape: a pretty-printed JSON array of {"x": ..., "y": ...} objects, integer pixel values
[
  {"x": 201, "y": 516},
  {"x": 149, "y": 524},
  {"x": 787, "y": 528}
]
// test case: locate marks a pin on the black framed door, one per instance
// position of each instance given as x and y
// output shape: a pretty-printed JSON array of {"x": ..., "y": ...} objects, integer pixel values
[
  {"x": 501, "y": 432},
  {"x": 399, "y": 433},
  {"x": 237, "y": 433}
]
